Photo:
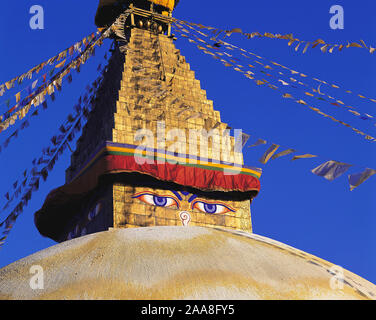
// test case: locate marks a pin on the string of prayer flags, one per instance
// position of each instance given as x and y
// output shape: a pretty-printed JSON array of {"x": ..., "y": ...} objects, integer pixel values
[
  {"x": 45, "y": 165},
  {"x": 245, "y": 53},
  {"x": 82, "y": 58},
  {"x": 47, "y": 153},
  {"x": 26, "y": 123},
  {"x": 301, "y": 101},
  {"x": 38, "y": 96},
  {"x": 331, "y": 170},
  {"x": 329, "y": 99},
  {"x": 29, "y": 74},
  {"x": 324, "y": 47}
]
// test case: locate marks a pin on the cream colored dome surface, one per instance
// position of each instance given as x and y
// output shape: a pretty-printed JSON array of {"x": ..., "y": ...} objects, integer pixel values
[{"x": 159, "y": 263}]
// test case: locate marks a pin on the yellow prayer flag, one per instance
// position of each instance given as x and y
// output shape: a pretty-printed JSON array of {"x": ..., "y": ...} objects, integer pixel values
[
  {"x": 354, "y": 112},
  {"x": 8, "y": 85},
  {"x": 363, "y": 43},
  {"x": 306, "y": 47},
  {"x": 354, "y": 44},
  {"x": 303, "y": 156},
  {"x": 324, "y": 48},
  {"x": 301, "y": 102},
  {"x": 269, "y": 153},
  {"x": 61, "y": 64},
  {"x": 18, "y": 97},
  {"x": 317, "y": 42}
]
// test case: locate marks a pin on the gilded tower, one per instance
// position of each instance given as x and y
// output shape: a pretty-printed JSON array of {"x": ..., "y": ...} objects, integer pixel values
[{"x": 154, "y": 151}]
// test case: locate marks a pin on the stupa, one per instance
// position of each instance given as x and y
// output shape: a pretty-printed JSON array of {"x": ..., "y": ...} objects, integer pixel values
[{"x": 156, "y": 203}]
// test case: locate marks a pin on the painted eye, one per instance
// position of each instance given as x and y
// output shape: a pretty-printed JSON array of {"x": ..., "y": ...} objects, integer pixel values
[
  {"x": 213, "y": 208},
  {"x": 94, "y": 211},
  {"x": 156, "y": 200}
]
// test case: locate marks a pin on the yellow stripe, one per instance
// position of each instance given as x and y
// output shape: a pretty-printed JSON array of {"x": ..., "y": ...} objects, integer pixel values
[{"x": 167, "y": 157}]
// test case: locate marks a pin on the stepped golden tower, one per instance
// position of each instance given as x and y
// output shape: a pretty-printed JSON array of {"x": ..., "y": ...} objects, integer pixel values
[
  {"x": 156, "y": 203},
  {"x": 150, "y": 97}
]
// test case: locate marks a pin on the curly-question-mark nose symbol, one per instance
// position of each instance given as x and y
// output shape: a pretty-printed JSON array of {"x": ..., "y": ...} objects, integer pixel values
[{"x": 185, "y": 218}]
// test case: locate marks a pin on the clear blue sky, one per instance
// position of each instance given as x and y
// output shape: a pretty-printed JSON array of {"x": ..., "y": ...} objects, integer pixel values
[{"x": 294, "y": 206}]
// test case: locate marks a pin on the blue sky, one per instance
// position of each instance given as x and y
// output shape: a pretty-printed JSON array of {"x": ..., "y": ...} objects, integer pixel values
[{"x": 294, "y": 206}]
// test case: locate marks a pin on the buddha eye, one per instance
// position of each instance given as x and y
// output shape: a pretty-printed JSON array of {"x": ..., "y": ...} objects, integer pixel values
[
  {"x": 211, "y": 207},
  {"x": 157, "y": 200}
]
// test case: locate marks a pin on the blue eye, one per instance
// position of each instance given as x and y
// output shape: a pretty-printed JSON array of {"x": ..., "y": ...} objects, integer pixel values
[
  {"x": 160, "y": 201},
  {"x": 213, "y": 208},
  {"x": 156, "y": 200},
  {"x": 210, "y": 208}
]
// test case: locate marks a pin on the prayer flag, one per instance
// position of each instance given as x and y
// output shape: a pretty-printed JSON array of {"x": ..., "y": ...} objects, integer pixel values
[
  {"x": 303, "y": 156},
  {"x": 269, "y": 153},
  {"x": 357, "y": 179},
  {"x": 34, "y": 84},
  {"x": 258, "y": 142},
  {"x": 283, "y": 153},
  {"x": 61, "y": 64},
  {"x": 331, "y": 170}
]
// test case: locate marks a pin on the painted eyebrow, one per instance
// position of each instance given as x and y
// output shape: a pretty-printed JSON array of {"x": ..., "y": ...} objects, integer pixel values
[
  {"x": 192, "y": 198},
  {"x": 184, "y": 193},
  {"x": 177, "y": 194}
]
